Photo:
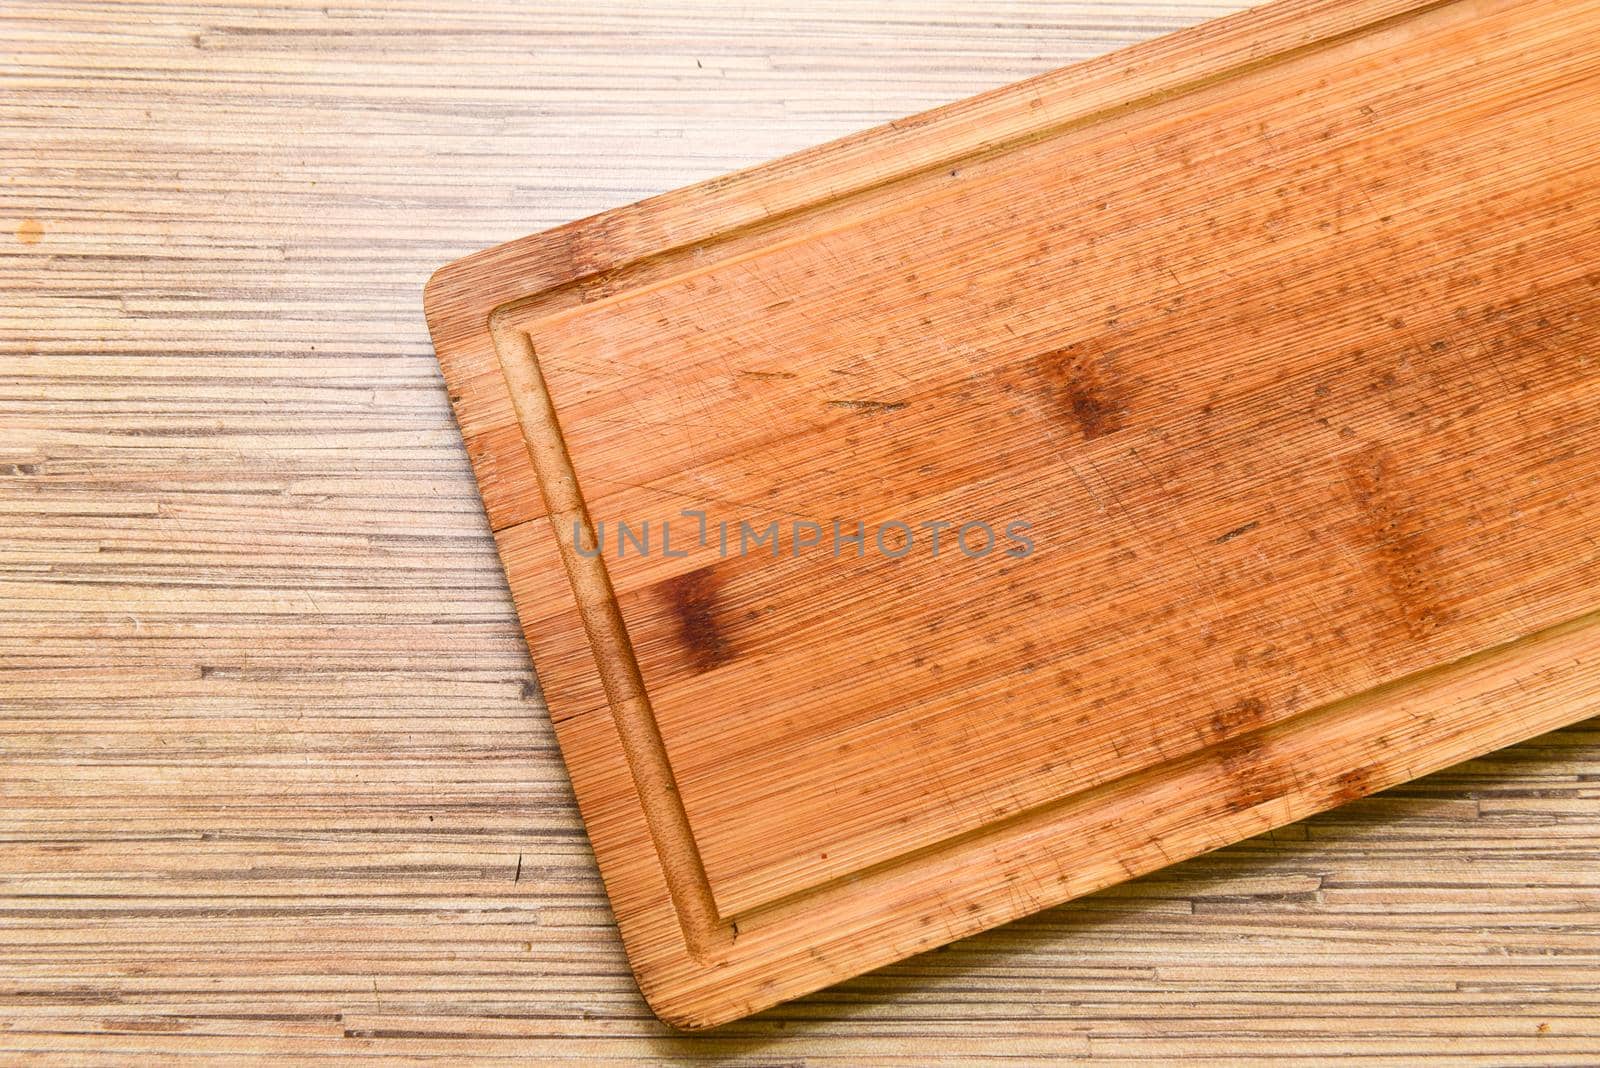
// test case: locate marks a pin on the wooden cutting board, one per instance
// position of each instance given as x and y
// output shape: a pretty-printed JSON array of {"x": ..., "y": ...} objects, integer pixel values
[{"x": 1268, "y": 356}]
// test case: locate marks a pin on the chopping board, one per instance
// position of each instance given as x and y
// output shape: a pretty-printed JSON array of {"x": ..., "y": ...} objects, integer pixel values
[{"x": 959, "y": 518}]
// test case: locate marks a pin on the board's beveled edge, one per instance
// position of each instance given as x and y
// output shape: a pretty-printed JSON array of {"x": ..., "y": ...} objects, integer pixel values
[{"x": 459, "y": 312}]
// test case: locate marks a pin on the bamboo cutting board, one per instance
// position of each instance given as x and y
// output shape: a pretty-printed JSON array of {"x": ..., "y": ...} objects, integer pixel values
[{"x": 1250, "y": 378}]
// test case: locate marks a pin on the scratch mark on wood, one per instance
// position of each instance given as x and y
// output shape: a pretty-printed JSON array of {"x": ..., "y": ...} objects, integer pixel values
[
  {"x": 868, "y": 407},
  {"x": 1238, "y": 531}
]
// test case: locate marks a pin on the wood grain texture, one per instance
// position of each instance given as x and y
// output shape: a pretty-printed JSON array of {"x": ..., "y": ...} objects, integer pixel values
[
  {"x": 277, "y": 779},
  {"x": 1272, "y": 336}
]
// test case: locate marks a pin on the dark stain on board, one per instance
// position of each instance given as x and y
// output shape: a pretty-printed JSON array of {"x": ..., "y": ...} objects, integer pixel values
[
  {"x": 1247, "y": 714},
  {"x": 1078, "y": 383},
  {"x": 694, "y": 599},
  {"x": 1396, "y": 532},
  {"x": 1353, "y": 784},
  {"x": 1254, "y": 777}
]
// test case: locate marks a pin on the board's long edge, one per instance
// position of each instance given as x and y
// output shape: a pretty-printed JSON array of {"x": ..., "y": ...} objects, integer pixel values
[
  {"x": 460, "y": 296},
  {"x": 460, "y": 299},
  {"x": 1439, "y": 717}
]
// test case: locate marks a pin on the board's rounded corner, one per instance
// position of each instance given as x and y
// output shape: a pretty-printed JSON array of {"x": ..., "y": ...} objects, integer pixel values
[
  {"x": 436, "y": 290},
  {"x": 671, "y": 1010}
]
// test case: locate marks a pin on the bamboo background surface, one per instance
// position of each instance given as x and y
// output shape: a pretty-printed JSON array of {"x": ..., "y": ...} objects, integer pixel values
[{"x": 275, "y": 777}]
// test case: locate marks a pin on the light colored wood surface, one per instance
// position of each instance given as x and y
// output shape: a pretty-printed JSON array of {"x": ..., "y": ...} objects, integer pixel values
[
  {"x": 276, "y": 776},
  {"x": 1271, "y": 334}
]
